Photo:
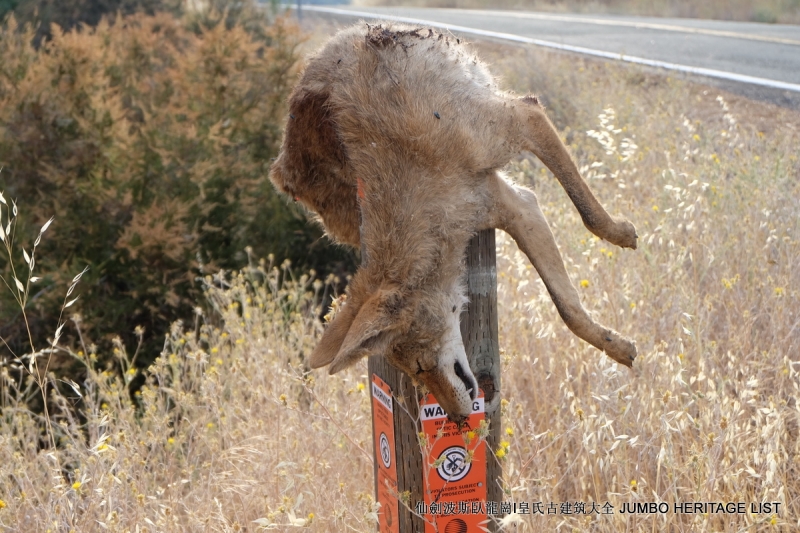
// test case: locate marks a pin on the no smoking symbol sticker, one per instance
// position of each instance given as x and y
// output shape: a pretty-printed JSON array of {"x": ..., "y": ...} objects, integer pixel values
[
  {"x": 386, "y": 452},
  {"x": 454, "y": 466}
]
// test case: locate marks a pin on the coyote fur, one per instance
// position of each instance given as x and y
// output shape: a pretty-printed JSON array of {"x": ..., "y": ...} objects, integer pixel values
[{"x": 394, "y": 138}]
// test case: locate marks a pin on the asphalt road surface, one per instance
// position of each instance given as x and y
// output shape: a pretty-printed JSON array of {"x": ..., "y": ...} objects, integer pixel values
[{"x": 760, "y": 61}]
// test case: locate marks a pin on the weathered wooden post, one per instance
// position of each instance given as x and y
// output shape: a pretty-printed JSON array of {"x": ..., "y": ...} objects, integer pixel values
[{"x": 479, "y": 332}]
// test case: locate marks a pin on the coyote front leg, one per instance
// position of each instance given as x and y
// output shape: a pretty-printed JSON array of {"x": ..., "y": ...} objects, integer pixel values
[
  {"x": 520, "y": 216},
  {"x": 541, "y": 138}
]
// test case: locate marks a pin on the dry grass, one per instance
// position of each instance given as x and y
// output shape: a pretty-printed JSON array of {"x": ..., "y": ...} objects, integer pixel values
[
  {"x": 230, "y": 430},
  {"x": 226, "y": 432},
  {"x": 710, "y": 413}
]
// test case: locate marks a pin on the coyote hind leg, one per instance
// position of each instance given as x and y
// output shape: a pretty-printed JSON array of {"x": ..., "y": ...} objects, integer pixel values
[
  {"x": 541, "y": 138},
  {"x": 521, "y": 217}
]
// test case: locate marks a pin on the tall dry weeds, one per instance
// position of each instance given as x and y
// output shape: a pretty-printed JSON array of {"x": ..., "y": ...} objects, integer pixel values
[{"x": 711, "y": 297}]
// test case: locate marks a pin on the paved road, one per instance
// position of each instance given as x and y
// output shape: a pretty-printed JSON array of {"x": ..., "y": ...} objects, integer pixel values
[{"x": 764, "y": 58}]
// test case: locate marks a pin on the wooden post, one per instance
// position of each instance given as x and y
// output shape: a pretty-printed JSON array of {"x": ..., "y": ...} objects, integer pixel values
[{"x": 479, "y": 333}]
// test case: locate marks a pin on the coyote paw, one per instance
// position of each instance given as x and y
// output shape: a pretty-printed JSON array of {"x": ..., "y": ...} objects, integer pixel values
[
  {"x": 623, "y": 234},
  {"x": 619, "y": 348}
]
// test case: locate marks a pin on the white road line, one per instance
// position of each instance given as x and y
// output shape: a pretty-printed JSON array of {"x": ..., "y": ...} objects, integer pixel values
[
  {"x": 634, "y": 24},
  {"x": 711, "y": 73}
]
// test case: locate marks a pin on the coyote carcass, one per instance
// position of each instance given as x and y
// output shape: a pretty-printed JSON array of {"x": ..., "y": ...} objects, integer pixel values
[{"x": 395, "y": 138}]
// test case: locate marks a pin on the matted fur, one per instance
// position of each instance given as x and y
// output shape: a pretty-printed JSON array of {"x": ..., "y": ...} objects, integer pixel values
[{"x": 417, "y": 119}]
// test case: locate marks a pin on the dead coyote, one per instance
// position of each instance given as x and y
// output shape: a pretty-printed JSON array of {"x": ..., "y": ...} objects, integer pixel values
[{"x": 395, "y": 138}]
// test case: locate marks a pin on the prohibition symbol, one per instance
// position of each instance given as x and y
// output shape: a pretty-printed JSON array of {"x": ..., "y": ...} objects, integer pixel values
[
  {"x": 453, "y": 467},
  {"x": 386, "y": 452}
]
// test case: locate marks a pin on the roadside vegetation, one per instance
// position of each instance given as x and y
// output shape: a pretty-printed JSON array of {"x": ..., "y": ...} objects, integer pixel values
[
  {"x": 148, "y": 138},
  {"x": 231, "y": 433},
  {"x": 712, "y": 183},
  {"x": 770, "y": 11}
]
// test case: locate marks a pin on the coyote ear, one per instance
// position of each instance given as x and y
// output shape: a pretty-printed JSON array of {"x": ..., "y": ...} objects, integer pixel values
[
  {"x": 372, "y": 331},
  {"x": 333, "y": 336}
]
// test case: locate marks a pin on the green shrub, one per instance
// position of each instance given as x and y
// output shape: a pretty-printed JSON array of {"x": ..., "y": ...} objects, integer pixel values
[{"x": 150, "y": 142}]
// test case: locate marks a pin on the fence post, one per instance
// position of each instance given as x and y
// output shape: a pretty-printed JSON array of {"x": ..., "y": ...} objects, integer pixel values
[{"x": 479, "y": 333}]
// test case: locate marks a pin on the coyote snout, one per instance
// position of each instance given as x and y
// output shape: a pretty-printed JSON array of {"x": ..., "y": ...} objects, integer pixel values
[
  {"x": 443, "y": 369},
  {"x": 395, "y": 138}
]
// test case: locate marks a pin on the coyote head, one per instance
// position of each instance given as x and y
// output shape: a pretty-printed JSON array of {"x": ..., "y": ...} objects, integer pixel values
[{"x": 417, "y": 331}]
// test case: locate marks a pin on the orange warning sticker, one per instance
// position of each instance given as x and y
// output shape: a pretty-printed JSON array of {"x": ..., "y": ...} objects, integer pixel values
[
  {"x": 383, "y": 436},
  {"x": 454, "y": 470}
]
